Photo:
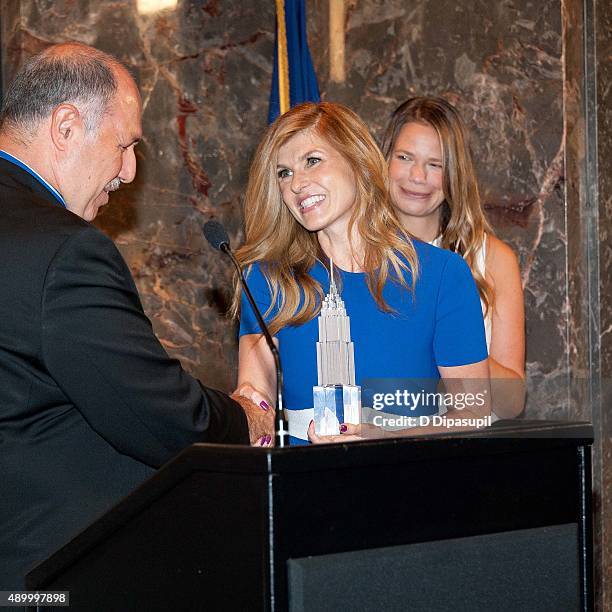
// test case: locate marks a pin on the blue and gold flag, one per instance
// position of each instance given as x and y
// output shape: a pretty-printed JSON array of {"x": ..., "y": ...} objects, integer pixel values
[{"x": 293, "y": 79}]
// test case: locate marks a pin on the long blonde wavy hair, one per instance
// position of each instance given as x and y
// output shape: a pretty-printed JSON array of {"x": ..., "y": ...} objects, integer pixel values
[
  {"x": 287, "y": 251},
  {"x": 463, "y": 224}
]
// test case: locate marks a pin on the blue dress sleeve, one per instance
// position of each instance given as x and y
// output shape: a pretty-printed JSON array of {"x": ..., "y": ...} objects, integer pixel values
[
  {"x": 262, "y": 296},
  {"x": 459, "y": 337}
]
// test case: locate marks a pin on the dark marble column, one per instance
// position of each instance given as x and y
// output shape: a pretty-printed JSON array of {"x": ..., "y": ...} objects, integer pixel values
[
  {"x": 583, "y": 252},
  {"x": 600, "y": 186},
  {"x": 603, "y": 34}
]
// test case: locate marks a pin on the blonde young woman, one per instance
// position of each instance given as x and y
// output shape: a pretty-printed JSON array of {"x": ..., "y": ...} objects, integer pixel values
[
  {"x": 317, "y": 190},
  {"x": 434, "y": 191}
]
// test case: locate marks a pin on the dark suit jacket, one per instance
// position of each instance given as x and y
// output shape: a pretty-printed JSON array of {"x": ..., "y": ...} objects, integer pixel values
[{"x": 90, "y": 403}]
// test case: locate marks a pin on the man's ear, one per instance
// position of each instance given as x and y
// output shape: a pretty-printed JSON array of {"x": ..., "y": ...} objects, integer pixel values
[{"x": 67, "y": 127}]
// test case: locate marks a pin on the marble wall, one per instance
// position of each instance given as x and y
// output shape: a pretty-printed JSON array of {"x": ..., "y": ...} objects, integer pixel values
[
  {"x": 204, "y": 71},
  {"x": 514, "y": 68},
  {"x": 501, "y": 66}
]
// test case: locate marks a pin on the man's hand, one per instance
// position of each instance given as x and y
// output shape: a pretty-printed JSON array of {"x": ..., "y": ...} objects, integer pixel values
[{"x": 259, "y": 418}]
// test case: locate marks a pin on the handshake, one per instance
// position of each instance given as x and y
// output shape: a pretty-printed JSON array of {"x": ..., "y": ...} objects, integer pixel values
[{"x": 259, "y": 413}]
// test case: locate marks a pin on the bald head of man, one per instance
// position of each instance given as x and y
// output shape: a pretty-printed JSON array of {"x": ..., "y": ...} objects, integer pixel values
[{"x": 73, "y": 114}]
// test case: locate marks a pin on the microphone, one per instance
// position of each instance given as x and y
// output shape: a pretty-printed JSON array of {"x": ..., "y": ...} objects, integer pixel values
[{"x": 217, "y": 237}]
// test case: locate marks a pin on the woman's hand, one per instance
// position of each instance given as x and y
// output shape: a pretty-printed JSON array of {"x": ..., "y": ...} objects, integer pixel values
[
  {"x": 348, "y": 433},
  {"x": 255, "y": 395}
]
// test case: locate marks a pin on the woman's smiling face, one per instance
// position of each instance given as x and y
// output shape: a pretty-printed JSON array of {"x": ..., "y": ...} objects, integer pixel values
[
  {"x": 317, "y": 184},
  {"x": 416, "y": 172}
]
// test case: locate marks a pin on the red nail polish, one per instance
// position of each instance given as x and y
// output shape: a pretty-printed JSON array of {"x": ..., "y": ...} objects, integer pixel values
[
  {"x": 343, "y": 428},
  {"x": 264, "y": 405}
]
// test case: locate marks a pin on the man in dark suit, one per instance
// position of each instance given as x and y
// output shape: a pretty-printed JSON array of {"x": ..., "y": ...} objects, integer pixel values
[{"x": 90, "y": 403}]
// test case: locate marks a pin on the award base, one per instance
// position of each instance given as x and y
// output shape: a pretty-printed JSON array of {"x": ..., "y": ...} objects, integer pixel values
[{"x": 335, "y": 404}]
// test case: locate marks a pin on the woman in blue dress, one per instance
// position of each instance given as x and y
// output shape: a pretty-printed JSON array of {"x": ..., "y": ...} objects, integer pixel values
[{"x": 318, "y": 190}]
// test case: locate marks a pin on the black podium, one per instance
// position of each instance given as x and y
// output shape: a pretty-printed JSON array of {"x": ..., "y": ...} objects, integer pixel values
[{"x": 490, "y": 520}]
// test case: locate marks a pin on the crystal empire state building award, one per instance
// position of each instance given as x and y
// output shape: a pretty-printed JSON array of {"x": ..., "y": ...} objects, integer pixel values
[{"x": 336, "y": 397}]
